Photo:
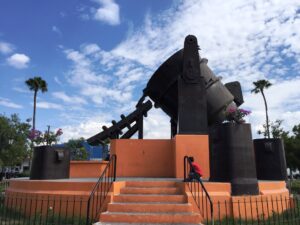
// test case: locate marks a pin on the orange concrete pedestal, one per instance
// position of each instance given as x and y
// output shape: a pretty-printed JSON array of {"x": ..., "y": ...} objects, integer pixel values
[
  {"x": 143, "y": 158},
  {"x": 150, "y": 159},
  {"x": 273, "y": 197},
  {"x": 191, "y": 145},
  {"x": 86, "y": 169},
  {"x": 50, "y": 193},
  {"x": 160, "y": 158}
]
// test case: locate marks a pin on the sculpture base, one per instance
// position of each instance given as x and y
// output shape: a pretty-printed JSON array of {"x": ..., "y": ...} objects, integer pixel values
[
  {"x": 78, "y": 190},
  {"x": 160, "y": 158},
  {"x": 50, "y": 162},
  {"x": 270, "y": 159}
]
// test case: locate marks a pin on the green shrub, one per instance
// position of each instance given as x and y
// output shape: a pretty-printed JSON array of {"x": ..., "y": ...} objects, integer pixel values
[{"x": 295, "y": 187}]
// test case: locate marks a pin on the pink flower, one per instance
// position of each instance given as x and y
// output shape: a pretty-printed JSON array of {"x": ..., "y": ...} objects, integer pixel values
[
  {"x": 59, "y": 132},
  {"x": 34, "y": 134},
  {"x": 236, "y": 115},
  {"x": 244, "y": 111},
  {"x": 231, "y": 110}
]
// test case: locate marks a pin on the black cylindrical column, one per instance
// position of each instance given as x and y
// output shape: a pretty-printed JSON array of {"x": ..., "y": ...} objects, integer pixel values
[
  {"x": 242, "y": 169},
  {"x": 218, "y": 155},
  {"x": 50, "y": 162},
  {"x": 270, "y": 159}
]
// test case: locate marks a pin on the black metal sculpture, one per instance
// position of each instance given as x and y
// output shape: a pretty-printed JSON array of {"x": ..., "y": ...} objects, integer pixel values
[
  {"x": 133, "y": 122},
  {"x": 192, "y": 112},
  {"x": 196, "y": 101},
  {"x": 187, "y": 90}
]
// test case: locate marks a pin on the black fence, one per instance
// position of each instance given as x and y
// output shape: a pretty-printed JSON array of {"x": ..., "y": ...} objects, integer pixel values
[
  {"x": 268, "y": 210},
  {"x": 3, "y": 186},
  {"x": 26, "y": 209}
]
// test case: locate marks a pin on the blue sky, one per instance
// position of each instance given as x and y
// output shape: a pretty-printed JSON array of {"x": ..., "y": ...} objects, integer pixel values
[{"x": 97, "y": 56}]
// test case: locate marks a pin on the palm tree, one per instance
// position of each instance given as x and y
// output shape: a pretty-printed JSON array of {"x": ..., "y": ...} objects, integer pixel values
[
  {"x": 260, "y": 85},
  {"x": 35, "y": 84}
]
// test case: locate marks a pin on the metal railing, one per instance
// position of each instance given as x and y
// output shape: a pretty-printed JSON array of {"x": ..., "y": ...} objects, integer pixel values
[
  {"x": 100, "y": 191},
  {"x": 4, "y": 184},
  {"x": 276, "y": 210},
  {"x": 199, "y": 192},
  {"x": 33, "y": 209}
]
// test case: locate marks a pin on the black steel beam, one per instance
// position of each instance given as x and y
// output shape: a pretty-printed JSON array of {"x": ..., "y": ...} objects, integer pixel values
[
  {"x": 116, "y": 127},
  {"x": 192, "y": 104}
]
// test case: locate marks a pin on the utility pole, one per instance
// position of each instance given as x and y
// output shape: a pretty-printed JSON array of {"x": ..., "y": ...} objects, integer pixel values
[{"x": 48, "y": 134}]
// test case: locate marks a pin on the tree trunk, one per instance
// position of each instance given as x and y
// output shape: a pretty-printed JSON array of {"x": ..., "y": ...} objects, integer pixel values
[
  {"x": 34, "y": 109},
  {"x": 267, "y": 117}
]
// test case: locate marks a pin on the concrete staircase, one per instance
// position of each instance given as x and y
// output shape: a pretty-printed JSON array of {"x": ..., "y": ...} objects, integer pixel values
[{"x": 146, "y": 202}]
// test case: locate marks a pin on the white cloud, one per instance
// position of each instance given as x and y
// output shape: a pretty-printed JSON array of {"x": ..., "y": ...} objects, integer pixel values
[
  {"x": 69, "y": 99},
  {"x": 8, "y": 103},
  {"x": 283, "y": 99},
  {"x": 55, "y": 29},
  {"x": 19, "y": 61},
  {"x": 48, "y": 105},
  {"x": 21, "y": 90},
  {"x": 108, "y": 12},
  {"x": 90, "y": 49},
  {"x": 62, "y": 14},
  {"x": 86, "y": 128},
  {"x": 57, "y": 80},
  {"x": 6, "y": 48},
  {"x": 157, "y": 125},
  {"x": 243, "y": 40},
  {"x": 99, "y": 82}
]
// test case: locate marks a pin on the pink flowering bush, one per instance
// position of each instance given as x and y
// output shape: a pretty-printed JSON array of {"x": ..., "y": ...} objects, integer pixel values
[
  {"x": 59, "y": 132},
  {"x": 236, "y": 115},
  {"x": 46, "y": 138},
  {"x": 34, "y": 134}
]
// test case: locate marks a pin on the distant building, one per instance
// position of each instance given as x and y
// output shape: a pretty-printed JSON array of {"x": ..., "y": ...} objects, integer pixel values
[{"x": 96, "y": 152}]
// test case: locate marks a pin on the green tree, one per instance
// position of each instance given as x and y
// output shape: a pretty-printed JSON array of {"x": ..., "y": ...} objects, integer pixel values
[
  {"x": 296, "y": 144},
  {"x": 296, "y": 131},
  {"x": 78, "y": 152},
  {"x": 260, "y": 85},
  {"x": 275, "y": 129},
  {"x": 14, "y": 144},
  {"x": 291, "y": 142},
  {"x": 36, "y": 84},
  {"x": 46, "y": 138}
]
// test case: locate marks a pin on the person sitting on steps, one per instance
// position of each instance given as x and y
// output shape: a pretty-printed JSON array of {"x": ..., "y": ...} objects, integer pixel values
[{"x": 195, "y": 172}]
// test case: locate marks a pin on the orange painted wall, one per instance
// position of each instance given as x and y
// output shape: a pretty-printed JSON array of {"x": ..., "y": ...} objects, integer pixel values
[
  {"x": 191, "y": 145},
  {"x": 143, "y": 158},
  {"x": 86, "y": 169},
  {"x": 273, "y": 197},
  {"x": 160, "y": 158},
  {"x": 45, "y": 192},
  {"x": 65, "y": 197}
]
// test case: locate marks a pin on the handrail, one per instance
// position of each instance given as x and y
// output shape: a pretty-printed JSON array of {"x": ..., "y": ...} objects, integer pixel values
[
  {"x": 100, "y": 191},
  {"x": 198, "y": 192}
]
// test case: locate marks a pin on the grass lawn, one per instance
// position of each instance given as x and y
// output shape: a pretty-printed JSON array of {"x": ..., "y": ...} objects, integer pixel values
[{"x": 295, "y": 187}]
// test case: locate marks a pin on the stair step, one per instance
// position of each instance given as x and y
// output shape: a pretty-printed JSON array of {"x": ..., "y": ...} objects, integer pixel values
[
  {"x": 151, "y": 217},
  {"x": 150, "y": 190},
  {"x": 110, "y": 223},
  {"x": 149, "y": 207},
  {"x": 150, "y": 198},
  {"x": 151, "y": 184}
]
